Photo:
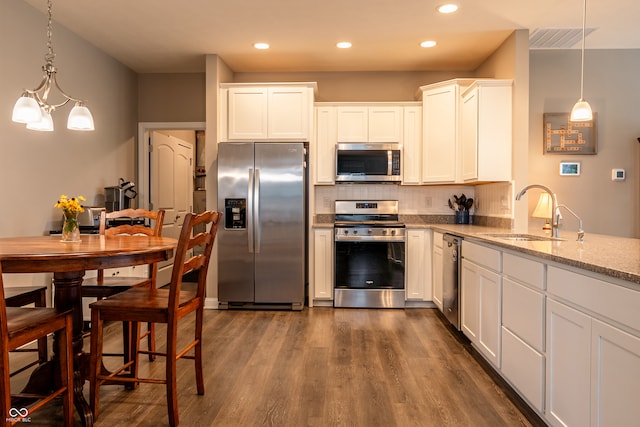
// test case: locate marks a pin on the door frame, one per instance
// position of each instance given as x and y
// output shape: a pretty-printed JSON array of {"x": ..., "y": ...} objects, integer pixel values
[{"x": 143, "y": 153}]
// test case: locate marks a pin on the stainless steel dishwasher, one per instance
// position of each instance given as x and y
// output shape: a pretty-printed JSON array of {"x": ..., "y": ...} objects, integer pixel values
[{"x": 451, "y": 278}]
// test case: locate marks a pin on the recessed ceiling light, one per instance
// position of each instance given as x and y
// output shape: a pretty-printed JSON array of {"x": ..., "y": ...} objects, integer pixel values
[
  {"x": 343, "y": 45},
  {"x": 447, "y": 8},
  {"x": 428, "y": 43},
  {"x": 261, "y": 45}
]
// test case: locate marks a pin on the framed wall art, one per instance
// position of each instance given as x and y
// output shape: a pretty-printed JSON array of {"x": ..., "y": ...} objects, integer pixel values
[{"x": 562, "y": 136}]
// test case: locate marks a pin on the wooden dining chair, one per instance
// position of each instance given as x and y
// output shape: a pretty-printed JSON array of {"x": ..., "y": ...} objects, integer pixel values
[
  {"x": 20, "y": 296},
  {"x": 159, "y": 306},
  {"x": 20, "y": 326},
  {"x": 102, "y": 287}
]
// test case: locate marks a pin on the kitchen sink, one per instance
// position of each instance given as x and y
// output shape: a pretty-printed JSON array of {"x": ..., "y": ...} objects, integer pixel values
[{"x": 522, "y": 237}]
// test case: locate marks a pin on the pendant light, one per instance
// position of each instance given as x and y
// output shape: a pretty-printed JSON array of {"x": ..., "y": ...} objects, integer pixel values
[
  {"x": 581, "y": 112},
  {"x": 33, "y": 108}
]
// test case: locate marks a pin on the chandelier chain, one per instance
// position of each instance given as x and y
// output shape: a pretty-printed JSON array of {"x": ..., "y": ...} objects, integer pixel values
[{"x": 50, "y": 54}]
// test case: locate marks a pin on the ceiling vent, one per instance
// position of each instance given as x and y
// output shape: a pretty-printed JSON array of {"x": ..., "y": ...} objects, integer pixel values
[{"x": 557, "y": 38}]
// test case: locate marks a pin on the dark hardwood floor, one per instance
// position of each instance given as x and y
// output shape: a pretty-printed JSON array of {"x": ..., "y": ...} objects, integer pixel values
[{"x": 319, "y": 367}]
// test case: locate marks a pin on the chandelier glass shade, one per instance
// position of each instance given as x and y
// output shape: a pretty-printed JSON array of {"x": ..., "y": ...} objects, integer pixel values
[
  {"x": 33, "y": 107},
  {"x": 581, "y": 111}
]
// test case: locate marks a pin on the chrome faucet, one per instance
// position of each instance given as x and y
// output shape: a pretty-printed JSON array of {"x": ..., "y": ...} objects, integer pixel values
[
  {"x": 580, "y": 230},
  {"x": 555, "y": 220}
]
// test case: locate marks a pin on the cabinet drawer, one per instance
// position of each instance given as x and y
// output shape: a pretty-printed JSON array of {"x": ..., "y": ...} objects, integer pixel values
[
  {"x": 602, "y": 298},
  {"x": 481, "y": 255},
  {"x": 523, "y": 312},
  {"x": 524, "y": 270},
  {"x": 523, "y": 366}
]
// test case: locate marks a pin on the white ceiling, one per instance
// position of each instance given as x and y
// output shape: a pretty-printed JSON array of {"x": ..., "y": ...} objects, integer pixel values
[{"x": 157, "y": 36}]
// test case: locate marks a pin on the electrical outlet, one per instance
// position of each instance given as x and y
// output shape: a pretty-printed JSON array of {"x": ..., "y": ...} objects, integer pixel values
[{"x": 428, "y": 201}]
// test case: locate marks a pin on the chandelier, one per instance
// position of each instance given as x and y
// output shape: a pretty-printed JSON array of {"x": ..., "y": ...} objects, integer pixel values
[{"x": 33, "y": 107}]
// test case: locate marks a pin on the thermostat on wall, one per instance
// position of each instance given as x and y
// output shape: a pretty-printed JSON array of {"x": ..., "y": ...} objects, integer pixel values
[
  {"x": 617, "y": 175},
  {"x": 570, "y": 168}
]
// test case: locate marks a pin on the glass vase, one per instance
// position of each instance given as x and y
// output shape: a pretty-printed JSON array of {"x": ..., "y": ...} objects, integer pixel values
[{"x": 70, "y": 230}]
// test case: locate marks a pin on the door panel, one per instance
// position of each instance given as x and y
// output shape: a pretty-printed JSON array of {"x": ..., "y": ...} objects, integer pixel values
[
  {"x": 171, "y": 188},
  {"x": 235, "y": 261},
  {"x": 280, "y": 246}
]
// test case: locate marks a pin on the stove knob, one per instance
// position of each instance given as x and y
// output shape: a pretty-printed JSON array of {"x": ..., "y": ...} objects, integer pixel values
[
  {"x": 384, "y": 231},
  {"x": 369, "y": 231},
  {"x": 355, "y": 231},
  {"x": 393, "y": 232},
  {"x": 346, "y": 231}
]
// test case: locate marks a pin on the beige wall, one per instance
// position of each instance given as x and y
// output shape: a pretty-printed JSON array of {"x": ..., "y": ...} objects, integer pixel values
[
  {"x": 36, "y": 167},
  {"x": 171, "y": 97},
  {"x": 611, "y": 86}
]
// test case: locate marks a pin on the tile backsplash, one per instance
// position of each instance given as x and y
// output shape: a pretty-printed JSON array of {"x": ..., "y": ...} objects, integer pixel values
[{"x": 491, "y": 200}]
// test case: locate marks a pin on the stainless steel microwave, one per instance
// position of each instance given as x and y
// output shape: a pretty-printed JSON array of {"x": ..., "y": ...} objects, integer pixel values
[{"x": 368, "y": 162}]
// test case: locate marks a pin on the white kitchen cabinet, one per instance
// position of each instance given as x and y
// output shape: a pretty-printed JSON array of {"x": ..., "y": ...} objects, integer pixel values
[
  {"x": 418, "y": 265},
  {"x": 412, "y": 146},
  {"x": 323, "y": 264},
  {"x": 593, "y": 350},
  {"x": 568, "y": 366},
  {"x": 437, "y": 260},
  {"x": 615, "y": 374},
  {"x": 523, "y": 325},
  {"x": 440, "y": 127},
  {"x": 370, "y": 123},
  {"x": 268, "y": 112},
  {"x": 324, "y": 146},
  {"x": 485, "y": 135},
  {"x": 480, "y": 297}
]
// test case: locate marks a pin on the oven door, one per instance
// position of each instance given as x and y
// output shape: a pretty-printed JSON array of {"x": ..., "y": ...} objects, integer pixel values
[{"x": 369, "y": 274}]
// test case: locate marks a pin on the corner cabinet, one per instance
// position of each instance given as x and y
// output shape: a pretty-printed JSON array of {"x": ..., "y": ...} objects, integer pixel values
[
  {"x": 485, "y": 131},
  {"x": 467, "y": 131},
  {"x": 440, "y": 124},
  {"x": 266, "y": 111}
]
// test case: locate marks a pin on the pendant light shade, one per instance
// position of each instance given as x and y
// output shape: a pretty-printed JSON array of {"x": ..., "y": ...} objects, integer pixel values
[
  {"x": 33, "y": 107},
  {"x": 45, "y": 124},
  {"x": 581, "y": 112},
  {"x": 26, "y": 110},
  {"x": 80, "y": 118}
]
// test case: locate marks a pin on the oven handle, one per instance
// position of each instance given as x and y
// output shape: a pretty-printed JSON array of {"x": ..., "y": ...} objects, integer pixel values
[{"x": 341, "y": 238}]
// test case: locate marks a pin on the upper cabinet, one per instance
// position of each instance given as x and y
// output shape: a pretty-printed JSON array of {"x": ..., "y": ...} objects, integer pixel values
[
  {"x": 485, "y": 135},
  {"x": 337, "y": 122},
  {"x": 266, "y": 111},
  {"x": 466, "y": 131},
  {"x": 440, "y": 127},
  {"x": 369, "y": 123}
]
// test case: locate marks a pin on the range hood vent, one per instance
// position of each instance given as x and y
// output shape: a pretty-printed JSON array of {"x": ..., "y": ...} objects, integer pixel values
[{"x": 557, "y": 38}]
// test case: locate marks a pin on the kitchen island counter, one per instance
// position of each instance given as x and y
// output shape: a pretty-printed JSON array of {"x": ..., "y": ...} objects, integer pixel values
[{"x": 613, "y": 256}]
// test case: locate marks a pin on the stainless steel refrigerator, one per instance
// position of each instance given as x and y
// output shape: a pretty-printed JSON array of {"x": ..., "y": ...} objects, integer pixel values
[{"x": 262, "y": 246}]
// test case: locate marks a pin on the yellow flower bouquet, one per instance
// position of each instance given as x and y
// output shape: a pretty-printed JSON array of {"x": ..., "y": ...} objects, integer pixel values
[{"x": 71, "y": 207}]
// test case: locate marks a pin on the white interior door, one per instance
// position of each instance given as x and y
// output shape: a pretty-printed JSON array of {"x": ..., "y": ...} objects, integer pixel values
[{"x": 171, "y": 187}]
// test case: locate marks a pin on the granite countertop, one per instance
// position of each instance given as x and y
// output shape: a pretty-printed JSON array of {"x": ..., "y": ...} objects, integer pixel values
[
  {"x": 617, "y": 257},
  {"x": 612, "y": 256}
]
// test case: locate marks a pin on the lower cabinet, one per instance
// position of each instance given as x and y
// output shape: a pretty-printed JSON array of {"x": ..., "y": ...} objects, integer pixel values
[
  {"x": 418, "y": 265},
  {"x": 323, "y": 264},
  {"x": 437, "y": 261},
  {"x": 480, "y": 299},
  {"x": 615, "y": 376}
]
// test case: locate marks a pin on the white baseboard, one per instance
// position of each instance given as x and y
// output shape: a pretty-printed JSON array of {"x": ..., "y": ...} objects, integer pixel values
[{"x": 211, "y": 303}]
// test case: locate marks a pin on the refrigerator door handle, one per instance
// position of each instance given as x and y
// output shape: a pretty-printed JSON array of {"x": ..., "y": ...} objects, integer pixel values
[
  {"x": 249, "y": 210},
  {"x": 256, "y": 212}
]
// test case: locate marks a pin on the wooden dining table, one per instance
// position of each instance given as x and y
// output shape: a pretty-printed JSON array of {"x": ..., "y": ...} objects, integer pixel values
[{"x": 68, "y": 262}]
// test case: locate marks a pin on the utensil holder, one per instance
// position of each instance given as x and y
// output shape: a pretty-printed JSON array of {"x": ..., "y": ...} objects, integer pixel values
[{"x": 462, "y": 217}]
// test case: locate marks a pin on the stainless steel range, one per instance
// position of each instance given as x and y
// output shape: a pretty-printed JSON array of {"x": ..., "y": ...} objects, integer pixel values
[{"x": 370, "y": 254}]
